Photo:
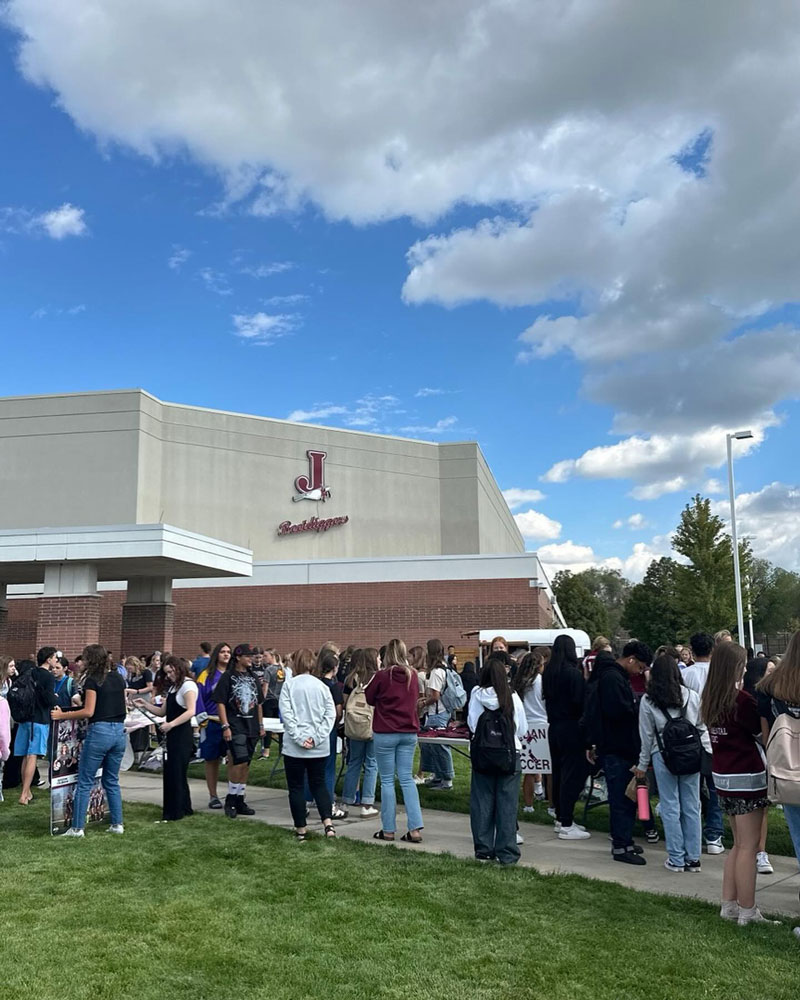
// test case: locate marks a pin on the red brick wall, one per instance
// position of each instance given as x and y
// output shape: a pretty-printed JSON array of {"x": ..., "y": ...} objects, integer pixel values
[
  {"x": 146, "y": 627},
  {"x": 68, "y": 622},
  {"x": 292, "y": 616}
]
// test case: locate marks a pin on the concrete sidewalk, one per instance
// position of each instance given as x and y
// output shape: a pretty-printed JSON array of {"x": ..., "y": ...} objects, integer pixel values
[{"x": 449, "y": 832}]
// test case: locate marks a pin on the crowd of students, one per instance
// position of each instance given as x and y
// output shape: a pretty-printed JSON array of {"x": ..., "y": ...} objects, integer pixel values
[{"x": 690, "y": 722}]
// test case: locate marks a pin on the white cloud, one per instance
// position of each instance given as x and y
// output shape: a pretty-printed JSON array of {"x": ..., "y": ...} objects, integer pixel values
[
  {"x": 533, "y": 524},
  {"x": 262, "y": 328},
  {"x": 286, "y": 300},
  {"x": 178, "y": 257},
  {"x": 660, "y": 464},
  {"x": 67, "y": 220},
  {"x": 267, "y": 270},
  {"x": 576, "y": 557},
  {"x": 634, "y": 522},
  {"x": 770, "y": 519},
  {"x": 44, "y": 311},
  {"x": 215, "y": 281},
  {"x": 425, "y": 392},
  {"x": 515, "y": 497},
  {"x": 321, "y": 412},
  {"x": 440, "y": 427},
  {"x": 711, "y": 487}
]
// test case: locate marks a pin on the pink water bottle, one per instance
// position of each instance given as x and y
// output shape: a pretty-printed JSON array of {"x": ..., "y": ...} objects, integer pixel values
[{"x": 643, "y": 802}]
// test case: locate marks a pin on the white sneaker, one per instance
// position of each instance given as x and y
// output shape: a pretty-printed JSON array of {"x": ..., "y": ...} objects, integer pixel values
[
  {"x": 557, "y": 827},
  {"x": 369, "y": 811},
  {"x": 753, "y": 915},
  {"x": 729, "y": 910},
  {"x": 763, "y": 864},
  {"x": 528, "y": 809},
  {"x": 674, "y": 868},
  {"x": 72, "y": 832},
  {"x": 418, "y": 780},
  {"x": 116, "y": 828},
  {"x": 520, "y": 838},
  {"x": 538, "y": 792},
  {"x": 551, "y": 812},
  {"x": 715, "y": 846},
  {"x": 573, "y": 832}
]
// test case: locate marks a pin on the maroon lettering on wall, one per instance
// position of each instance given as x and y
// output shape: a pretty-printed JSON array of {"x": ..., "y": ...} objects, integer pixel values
[{"x": 311, "y": 524}]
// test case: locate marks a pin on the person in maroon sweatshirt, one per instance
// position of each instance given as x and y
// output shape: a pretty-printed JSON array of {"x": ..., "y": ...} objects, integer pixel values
[
  {"x": 740, "y": 775},
  {"x": 393, "y": 692}
]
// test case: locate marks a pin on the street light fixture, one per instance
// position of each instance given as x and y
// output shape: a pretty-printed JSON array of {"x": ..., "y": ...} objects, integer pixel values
[{"x": 740, "y": 436}]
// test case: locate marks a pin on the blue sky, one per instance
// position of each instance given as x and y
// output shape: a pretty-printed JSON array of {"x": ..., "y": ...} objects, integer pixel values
[{"x": 169, "y": 257}]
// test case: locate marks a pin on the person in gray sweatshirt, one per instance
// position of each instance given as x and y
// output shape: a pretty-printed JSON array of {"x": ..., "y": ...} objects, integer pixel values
[
  {"x": 308, "y": 714},
  {"x": 679, "y": 794}
]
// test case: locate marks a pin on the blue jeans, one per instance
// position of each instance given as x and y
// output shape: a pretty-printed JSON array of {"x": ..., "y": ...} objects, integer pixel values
[
  {"x": 394, "y": 753},
  {"x": 103, "y": 747},
  {"x": 438, "y": 760},
  {"x": 360, "y": 753},
  {"x": 493, "y": 804},
  {"x": 622, "y": 812},
  {"x": 792, "y": 816},
  {"x": 712, "y": 828},
  {"x": 680, "y": 812}
]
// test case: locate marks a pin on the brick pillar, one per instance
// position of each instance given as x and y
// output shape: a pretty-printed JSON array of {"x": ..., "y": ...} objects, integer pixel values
[
  {"x": 147, "y": 616},
  {"x": 69, "y": 610},
  {"x": 3, "y": 617}
]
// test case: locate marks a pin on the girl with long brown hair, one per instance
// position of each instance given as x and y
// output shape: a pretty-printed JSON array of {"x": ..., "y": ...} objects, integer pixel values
[
  {"x": 437, "y": 759},
  {"x": 535, "y": 756},
  {"x": 360, "y": 752},
  {"x": 740, "y": 775}
]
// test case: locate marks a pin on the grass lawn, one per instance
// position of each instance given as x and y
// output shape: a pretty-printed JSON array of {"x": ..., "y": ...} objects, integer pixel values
[
  {"x": 457, "y": 800},
  {"x": 202, "y": 909}
]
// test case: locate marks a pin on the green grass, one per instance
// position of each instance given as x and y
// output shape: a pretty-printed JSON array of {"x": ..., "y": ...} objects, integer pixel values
[
  {"x": 203, "y": 909},
  {"x": 778, "y": 840}
]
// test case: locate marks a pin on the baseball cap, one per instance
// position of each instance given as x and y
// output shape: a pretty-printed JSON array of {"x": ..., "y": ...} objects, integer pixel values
[{"x": 243, "y": 650}]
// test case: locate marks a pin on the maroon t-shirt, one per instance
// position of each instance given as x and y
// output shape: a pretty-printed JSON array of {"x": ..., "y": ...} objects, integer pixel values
[{"x": 394, "y": 700}]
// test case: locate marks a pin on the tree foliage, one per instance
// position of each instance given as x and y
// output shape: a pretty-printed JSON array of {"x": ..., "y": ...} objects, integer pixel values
[
  {"x": 652, "y": 610},
  {"x": 611, "y": 588},
  {"x": 581, "y": 608}
]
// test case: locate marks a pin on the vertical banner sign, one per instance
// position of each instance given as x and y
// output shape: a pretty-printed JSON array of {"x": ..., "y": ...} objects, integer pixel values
[{"x": 67, "y": 742}]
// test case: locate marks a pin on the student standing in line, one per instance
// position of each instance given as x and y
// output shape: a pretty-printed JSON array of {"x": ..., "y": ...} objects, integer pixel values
[
  {"x": 527, "y": 684},
  {"x": 308, "y": 713},
  {"x": 178, "y": 709},
  {"x": 6, "y": 664},
  {"x": 32, "y": 734},
  {"x": 238, "y": 695},
  {"x": 494, "y": 797},
  {"x": 740, "y": 776},
  {"x": 326, "y": 668},
  {"x": 563, "y": 690},
  {"x": 275, "y": 674},
  {"x": 212, "y": 744},
  {"x": 694, "y": 677},
  {"x": 438, "y": 759},
  {"x": 393, "y": 693},
  {"x": 104, "y": 746},
  {"x": 419, "y": 664},
  {"x": 679, "y": 794},
  {"x": 778, "y": 693},
  {"x": 200, "y": 663},
  {"x": 360, "y": 753},
  {"x": 140, "y": 685}
]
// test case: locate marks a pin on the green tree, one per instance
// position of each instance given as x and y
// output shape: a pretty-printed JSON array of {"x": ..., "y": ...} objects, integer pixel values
[
  {"x": 611, "y": 588},
  {"x": 775, "y": 595},
  {"x": 706, "y": 591},
  {"x": 653, "y": 607},
  {"x": 581, "y": 608}
]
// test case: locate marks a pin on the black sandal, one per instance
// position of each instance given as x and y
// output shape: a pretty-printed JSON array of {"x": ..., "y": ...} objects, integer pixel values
[
  {"x": 380, "y": 835},
  {"x": 300, "y": 837},
  {"x": 330, "y": 831},
  {"x": 408, "y": 839}
]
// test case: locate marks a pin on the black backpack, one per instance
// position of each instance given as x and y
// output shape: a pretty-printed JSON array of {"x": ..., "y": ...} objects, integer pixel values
[
  {"x": 492, "y": 749},
  {"x": 680, "y": 744},
  {"x": 23, "y": 697}
]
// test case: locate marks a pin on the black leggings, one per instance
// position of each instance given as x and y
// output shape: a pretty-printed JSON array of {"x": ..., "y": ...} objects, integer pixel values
[
  {"x": 570, "y": 768},
  {"x": 297, "y": 768}
]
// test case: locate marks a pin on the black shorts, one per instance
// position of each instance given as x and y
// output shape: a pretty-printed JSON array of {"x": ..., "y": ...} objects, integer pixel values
[{"x": 242, "y": 747}]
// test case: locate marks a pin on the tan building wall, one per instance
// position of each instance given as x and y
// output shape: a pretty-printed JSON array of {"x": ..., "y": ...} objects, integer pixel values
[{"x": 125, "y": 457}]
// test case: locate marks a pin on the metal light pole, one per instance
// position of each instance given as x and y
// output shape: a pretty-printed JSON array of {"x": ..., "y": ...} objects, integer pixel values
[{"x": 740, "y": 436}]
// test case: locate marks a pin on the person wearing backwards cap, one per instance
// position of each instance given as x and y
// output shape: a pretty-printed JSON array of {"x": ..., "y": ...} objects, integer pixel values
[{"x": 238, "y": 696}]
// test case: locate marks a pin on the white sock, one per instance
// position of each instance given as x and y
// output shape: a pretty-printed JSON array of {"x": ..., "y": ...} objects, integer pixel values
[
  {"x": 232, "y": 786},
  {"x": 242, "y": 788},
  {"x": 730, "y": 909},
  {"x": 538, "y": 786}
]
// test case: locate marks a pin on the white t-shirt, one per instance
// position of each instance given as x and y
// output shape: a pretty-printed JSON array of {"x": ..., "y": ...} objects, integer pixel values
[
  {"x": 436, "y": 682},
  {"x": 695, "y": 677},
  {"x": 535, "y": 712},
  {"x": 185, "y": 688}
]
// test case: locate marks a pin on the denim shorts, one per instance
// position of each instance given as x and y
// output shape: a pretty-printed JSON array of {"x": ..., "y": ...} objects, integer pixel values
[
  {"x": 31, "y": 739},
  {"x": 212, "y": 745}
]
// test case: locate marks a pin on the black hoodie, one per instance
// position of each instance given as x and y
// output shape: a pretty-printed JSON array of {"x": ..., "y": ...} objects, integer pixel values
[{"x": 619, "y": 715}]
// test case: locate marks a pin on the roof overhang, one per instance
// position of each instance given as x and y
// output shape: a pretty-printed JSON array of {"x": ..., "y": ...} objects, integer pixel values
[{"x": 121, "y": 552}]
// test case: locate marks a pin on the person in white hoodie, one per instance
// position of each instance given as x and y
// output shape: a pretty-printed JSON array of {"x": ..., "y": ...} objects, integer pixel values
[
  {"x": 496, "y": 717},
  {"x": 308, "y": 714},
  {"x": 679, "y": 794}
]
